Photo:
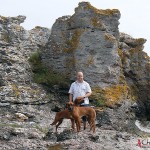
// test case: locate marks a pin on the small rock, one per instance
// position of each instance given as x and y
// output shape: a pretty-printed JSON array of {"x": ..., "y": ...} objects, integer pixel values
[
  {"x": 5, "y": 136},
  {"x": 117, "y": 136},
  {"x": 21, "y": 117},
  {"x": 66, "y": 135},
  {"x": 50, "y": 135},
  {"x": 4, "y": 104},
  {"x": 55, "y": 147},
  {"x": 94, "y": 138}
]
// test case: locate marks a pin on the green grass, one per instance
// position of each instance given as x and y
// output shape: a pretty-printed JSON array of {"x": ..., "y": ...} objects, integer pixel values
[
  {"x": 44, "y": 75},
  {"x": 99, "y": 102},
  {"x": 42, "y": 129},
  {"x": 10, "y": 125}
]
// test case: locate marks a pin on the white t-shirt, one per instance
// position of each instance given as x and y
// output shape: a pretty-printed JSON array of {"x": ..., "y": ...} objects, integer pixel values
[{"x": 78, "y": 89}]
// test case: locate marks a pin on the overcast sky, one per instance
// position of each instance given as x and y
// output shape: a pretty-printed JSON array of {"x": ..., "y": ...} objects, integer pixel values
[{"x": 135, "y": 18}]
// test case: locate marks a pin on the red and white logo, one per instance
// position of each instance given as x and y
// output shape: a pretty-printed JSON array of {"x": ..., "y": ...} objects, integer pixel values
[{"x": 143, "y": 143}]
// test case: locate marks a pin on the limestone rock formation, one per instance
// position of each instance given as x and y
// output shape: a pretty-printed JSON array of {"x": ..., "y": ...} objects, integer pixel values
[
  {"x": 16, "y": 46},
  {"x": 136, "y": 69},
  {"x": 86, "y": 41},
  {"x": 113, "y": 63}
]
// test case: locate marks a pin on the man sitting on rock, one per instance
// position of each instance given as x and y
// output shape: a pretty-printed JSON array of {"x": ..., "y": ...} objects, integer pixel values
[{"x": 80, "y": 88}]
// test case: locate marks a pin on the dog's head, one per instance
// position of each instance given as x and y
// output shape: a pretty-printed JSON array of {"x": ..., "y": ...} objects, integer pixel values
[
  {"x": 79, "y": 98},
  {"x": 78, "y": 101},
  {"x": 69, "y": 106}
]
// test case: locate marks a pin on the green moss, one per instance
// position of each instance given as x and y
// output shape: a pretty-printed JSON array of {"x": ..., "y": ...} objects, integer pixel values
[
  {"x": 38, "y": 27},
  {"x": 109, "y": 37},
  {"x": 16, "y": 90},
  {"x": 90, "y": 61},
  {"x": 122, "y": 56},
  {"x": 140, "y": 41},
  {"x": 3, "y": 19},
  {"x": 134, "y": 92},
  {"x": 133, "y": 51},
  {"x": 7, "y": 38},
  {"x": 120, "y": 53},
  {"x": 73, "y": 42},
  {"x": 96, "y": 22},
  {"x": 111, "y": 95},
  {"x": 115, "y": 93},
  {"x": 44, "y": 75},
  {"x": 106, "y": 12}
]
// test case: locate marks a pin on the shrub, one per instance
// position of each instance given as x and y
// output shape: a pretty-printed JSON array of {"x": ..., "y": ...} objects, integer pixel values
[
  {"x": 44, "y": 75},
  {"x": 100, "y": 103}
]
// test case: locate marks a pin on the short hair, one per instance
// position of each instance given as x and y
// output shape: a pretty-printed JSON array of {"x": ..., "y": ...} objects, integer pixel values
[{"x": 79, "y": 72}]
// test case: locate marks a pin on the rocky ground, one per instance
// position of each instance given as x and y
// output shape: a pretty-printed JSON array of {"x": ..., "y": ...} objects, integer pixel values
[{"x": 32, "y": 131}]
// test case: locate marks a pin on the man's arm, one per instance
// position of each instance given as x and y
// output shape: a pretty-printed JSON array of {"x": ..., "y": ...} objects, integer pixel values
[
  {"x": 89, "y": 91},
  {"x": 70, "y": 97},
  {"x": 87, "y": 94}
]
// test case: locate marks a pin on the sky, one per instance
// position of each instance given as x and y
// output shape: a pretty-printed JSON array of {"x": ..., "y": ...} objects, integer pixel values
[{"x": 135, "y": 18}]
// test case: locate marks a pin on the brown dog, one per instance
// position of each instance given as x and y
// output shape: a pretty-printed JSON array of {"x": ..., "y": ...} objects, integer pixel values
[
  {"x": 60, "y": 116},
  {"x": 78, "y": 112},
  {"x": 78, "y": 101}
]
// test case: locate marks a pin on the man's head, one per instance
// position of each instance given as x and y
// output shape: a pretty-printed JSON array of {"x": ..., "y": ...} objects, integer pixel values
[{"x": 80, "y": 76}]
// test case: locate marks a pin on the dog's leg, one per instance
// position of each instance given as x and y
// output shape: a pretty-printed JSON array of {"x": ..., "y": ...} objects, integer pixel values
[
  {"x": 59, "y": 123},
  {"x": 92, "y": 125},
  {"x": 88, "y": 120},
  {"x": 94, "y": 128},
  {"x": 72, "y": 124},
  {"x": 84, "y": 119},
  {"x": 79, "y": 124},
  {"x": 77, "y": 121},
  {"x": 84, "y": 124}
]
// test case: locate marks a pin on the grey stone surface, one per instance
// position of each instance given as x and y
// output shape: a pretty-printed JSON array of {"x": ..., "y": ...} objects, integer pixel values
[
  {"x": 80, "y": 42},
  {"x": 136, "y": 68},
  {"x": 17, "y": 44}
]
